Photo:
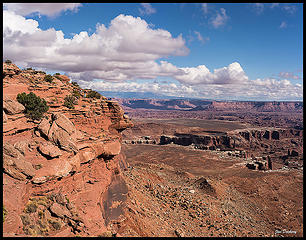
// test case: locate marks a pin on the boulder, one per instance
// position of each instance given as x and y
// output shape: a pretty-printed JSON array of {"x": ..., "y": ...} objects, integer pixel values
[
  {"x": 49, "y": 150},
  {"x": 107, "y": 149},
  {"x": 64, "y": 123},
  {"x": 15, "y": 164},
  {"x": 62, "y": 139},
  {"x": 21, "y": 146},
  {"x": 57, "y": 168},
  {"x": 61, "y": 131},
  {"x": 59, "y": 210},
  {"x": 12, "y": 107},
  {"x": 44, "y": 127}
]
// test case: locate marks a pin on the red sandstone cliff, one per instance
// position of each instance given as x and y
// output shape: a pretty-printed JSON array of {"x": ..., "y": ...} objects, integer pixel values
[{"x": 58, "y": 171}]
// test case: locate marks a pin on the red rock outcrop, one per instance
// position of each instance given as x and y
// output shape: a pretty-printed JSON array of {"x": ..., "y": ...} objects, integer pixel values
[{"x": 71, "y": 153}]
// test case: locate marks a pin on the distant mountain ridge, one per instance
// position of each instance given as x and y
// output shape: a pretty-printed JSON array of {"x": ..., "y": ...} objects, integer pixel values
[{"x": 210, "y": 105}]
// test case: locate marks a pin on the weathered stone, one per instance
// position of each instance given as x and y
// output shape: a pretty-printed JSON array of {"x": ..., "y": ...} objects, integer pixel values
[
  {"x": 107, "y": 149},
  {"x": 60, "y": 198},
  {"x": 64, "y": 123},
  {"x": 21, "y": 146},
  {"x": 44, "y": 126},
  {"x": 12, "y": 107},
  {"x": 14, "y": 163},
  {"x": 39, "y": 180},
  {"x": 59, "y": 210},
  {"x": 57, "y": 168},
  {"x": 60, "y": 132},
  {"x": 49, "y": 150}
]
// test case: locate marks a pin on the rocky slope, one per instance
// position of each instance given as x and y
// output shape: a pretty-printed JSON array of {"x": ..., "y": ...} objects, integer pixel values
[{"x": 57, "y": 172}]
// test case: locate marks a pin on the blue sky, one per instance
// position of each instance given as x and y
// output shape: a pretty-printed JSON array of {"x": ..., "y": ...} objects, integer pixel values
[{"x": 227, "y": 51}]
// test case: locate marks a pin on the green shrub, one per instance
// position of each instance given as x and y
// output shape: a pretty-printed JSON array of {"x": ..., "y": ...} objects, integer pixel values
[
  {"x": 31, "y": 207},
  {"x": 48, "y": 78},
  {"x": 93, "y": 94},
  {"x": 35, "y": 107},
  {"x": 55, "y": 224},
  {"x": 25, "y": 219},
  {"x": 29, "y": 68},
  {"x": 75, "y": 84},
  {"x": 8, "y": 61},
  {"x": 56, "y": 74},
  {"x": 76, "y": 94},
  {"x": 70, "y": 101}
]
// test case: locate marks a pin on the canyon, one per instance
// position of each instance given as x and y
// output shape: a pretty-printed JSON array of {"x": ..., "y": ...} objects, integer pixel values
[{"x": 148, "y": 167}]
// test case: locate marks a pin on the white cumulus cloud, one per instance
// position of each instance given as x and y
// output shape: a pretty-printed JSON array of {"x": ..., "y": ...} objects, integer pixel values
[
  {"x": 233, "y": 73},
  {"x": 129, "y": 49}
]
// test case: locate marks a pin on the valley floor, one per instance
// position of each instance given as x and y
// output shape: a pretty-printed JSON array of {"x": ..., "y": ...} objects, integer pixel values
[{"x": 179, "y": 191}]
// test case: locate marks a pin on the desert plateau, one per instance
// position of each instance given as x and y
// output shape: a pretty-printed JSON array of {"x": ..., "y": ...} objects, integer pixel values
[
  {"x": 93, "y": 170},
  {"x": 152, "y": 120}
]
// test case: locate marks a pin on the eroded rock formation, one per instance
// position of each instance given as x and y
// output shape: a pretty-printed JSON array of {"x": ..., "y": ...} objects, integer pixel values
[{"x": 61, "y": 167}]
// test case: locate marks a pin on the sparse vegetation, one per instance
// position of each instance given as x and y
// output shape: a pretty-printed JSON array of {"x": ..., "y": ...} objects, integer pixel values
[
  {"x": 75, "y": 84},
  {"x": 35, "y": 107},
  {"x": 38, "y": 166},
  {"x": 76, "y": 94},
  {"x": 29, "y": 68},
  {"x": 93, "y": 94},
  {"x": 55, "y": 224},
  {"x": 106, "y": 234},
  {"x": 70, "y": 101},
  {"x": 54, "y": 100},
  {"x": 57, "y": 75},
  {"x": 48, "y": 78},
  {"x": 8, "y": 61},
  {"x": 31, "y": 207},
  {"x": 25, "y": 219}
]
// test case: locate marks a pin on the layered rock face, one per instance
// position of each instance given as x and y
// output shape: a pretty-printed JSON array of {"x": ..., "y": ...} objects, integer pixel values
[
  {"x": 249, "y": 138},
  {"x": 72, "y": 154},
  {"x": 200, "y": 105}
]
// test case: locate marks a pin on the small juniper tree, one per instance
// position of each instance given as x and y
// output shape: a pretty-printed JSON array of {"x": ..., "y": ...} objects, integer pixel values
[
  {"x": 75, "y": 84},
  {"x": 48, "y": 78},
  {"x": 93, "y": 94},
  {"x": 76, "y": 94},
  {"x": 70, "y": 101},
  {"x": 35, "y": 107}
]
